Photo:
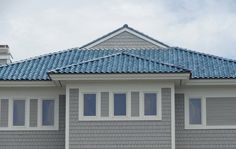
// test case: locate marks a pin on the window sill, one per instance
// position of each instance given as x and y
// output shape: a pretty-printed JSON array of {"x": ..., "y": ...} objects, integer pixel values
[
  {"x": 151, "y": 118},
  {"x": 211, "y": 127},
  {"x": 28, "y": 129}
]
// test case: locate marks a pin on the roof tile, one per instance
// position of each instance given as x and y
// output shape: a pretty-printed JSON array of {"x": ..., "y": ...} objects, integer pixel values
[{"x": 202, "y": 66}]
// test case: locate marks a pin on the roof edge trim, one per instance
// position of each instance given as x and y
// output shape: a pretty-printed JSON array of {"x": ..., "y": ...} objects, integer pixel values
[{"x": 159, "y": 76}]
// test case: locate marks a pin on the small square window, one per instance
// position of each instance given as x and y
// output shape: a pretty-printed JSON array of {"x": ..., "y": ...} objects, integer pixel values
[
  {"x": 89, "y": 104},
  {"x": 48, "y": 112},
  {"x": 19, "y": 112},
  {"x": 120, "y": 104},
  {"x": 150, "y": 104}
]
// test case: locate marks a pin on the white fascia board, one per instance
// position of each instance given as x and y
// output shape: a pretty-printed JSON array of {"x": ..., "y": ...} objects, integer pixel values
[
  {"x": 210, "y": 82},
  {"x": 26, "y": 83},
  {"x": 125, "y": 30},
  {"x": 175, "y": 76}
]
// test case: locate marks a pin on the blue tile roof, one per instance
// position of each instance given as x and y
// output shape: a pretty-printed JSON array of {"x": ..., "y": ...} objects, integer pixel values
[
  {"x": 202, "y": 66},
  {"x": 119, "y": 63}
]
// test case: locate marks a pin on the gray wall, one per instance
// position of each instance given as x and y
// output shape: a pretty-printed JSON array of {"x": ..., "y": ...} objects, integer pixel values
[
  {"x": 203, "y": 138},
  {"x": 125, "y": 40},
  {"x": 120, "y": 134},
  {"x": 221, "y": 110},
  {"x": 53, "y": 139}
]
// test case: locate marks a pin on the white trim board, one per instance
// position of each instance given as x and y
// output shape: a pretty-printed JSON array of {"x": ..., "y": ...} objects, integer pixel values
[
  {"x": 164, "y": 76},
  {"x": 67, "y": 122},
  {"x": 121, "y": 31},
  {"x": 197, "y": 82},
  {"x": 27, "y": 84}
]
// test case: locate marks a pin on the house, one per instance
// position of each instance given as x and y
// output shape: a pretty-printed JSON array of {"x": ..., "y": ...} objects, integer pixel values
[{"x": 124, "y": 90}]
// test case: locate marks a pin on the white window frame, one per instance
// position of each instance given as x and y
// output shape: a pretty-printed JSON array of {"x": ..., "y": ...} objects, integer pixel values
[
  {"x": 10, "y": 113},
  {"x": 111, "y": 116},
  {"x": 203, "y": 115},
  {"x": 27, "y": 127},
  {"x": 112, "y": 99},
  {"x": 158, "y": 106},
  {"x": 81, "y": 105}
]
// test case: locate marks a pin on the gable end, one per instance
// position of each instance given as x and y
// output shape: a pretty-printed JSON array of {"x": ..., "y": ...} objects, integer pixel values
[{"x": 125, "y": 37}]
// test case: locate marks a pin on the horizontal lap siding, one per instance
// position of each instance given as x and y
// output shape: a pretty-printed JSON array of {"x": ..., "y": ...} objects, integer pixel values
[
  {"x": 200, "y": 139},
  {"x": 53, "y": 139},
  {"x": 120, "y": 134},
  {"x": 125, "y": 40}
]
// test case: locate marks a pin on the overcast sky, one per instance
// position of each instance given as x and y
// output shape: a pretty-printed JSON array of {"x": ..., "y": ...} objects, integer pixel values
[{"x": 35, "y": 27}]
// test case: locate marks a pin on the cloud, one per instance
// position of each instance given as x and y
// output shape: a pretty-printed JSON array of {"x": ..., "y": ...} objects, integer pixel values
[{"x": 34, "y": 27}]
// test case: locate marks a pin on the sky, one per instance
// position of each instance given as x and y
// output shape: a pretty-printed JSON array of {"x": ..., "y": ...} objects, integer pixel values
[{"x": 36, "y": 27}]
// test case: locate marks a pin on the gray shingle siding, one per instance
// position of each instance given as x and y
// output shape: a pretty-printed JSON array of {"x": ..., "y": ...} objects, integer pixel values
[
  {"x": 104, "y": 104},
  {"x": 200, "y": 138},
  {"x": 4, "y": 113},
  {"x": 134, "y": 103},
  {"x": 125, "y": 40},
  {"x": 120, "y": 134},
  {"x": 53, "y": 139},
  {"x": 33, "y": 112}
]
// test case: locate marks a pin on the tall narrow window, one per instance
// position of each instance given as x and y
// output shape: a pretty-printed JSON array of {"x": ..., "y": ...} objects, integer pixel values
[
  {"x": 195, "y": 116},
  {"x": 120, "y": 104},
  {"x": 89, "y": 104},
  {"x": 18, "y": 112},
  {"x": 48, "y": 112},
  {"x": 150, "y": 104}
]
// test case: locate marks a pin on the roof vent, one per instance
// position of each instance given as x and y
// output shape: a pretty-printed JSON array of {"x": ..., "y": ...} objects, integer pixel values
[{"x": 5, "y": 55}]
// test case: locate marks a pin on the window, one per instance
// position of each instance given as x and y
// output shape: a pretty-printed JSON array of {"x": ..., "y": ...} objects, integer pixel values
[
  {"x": 150, "y": 104},
  {"x": 48, "y": 113},
  {"x": 29, "y": 114},
  {"x": 119, "y": 104},
  {"x": 210, "y": 113},
  {"x": 195, "y": 111},
  {"x": 18, "y": 112},
  {"x": 89, "y": 104}
]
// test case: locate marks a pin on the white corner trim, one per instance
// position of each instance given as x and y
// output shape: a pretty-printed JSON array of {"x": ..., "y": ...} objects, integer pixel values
[
  {"x": 125, "y": 30},
  {"x": 26, "y": 84},
  {"x": 172, "y": 118},
  {"x": 67, "y": 131},
  {"x": 203, "y": 114},
  {"x": 166, "y": 76}
]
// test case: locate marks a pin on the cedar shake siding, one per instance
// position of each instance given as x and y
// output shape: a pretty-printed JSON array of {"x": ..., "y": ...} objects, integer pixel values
[
  {"x": 120, "y": 134},
  {"x": 37, "y": 139},
  {"x": 200, "y": 138}
]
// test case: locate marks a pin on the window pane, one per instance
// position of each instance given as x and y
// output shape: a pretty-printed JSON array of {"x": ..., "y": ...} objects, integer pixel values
[
  {"x": 48, "y": 112},
  {"x": 150, "y": 104},
  {"x": 119, "y": 104},
  {"x": 195, "y": 111},
  {"x": 19, "y": 112},
  {"x": 89, "y": 104}
]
